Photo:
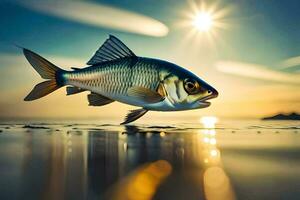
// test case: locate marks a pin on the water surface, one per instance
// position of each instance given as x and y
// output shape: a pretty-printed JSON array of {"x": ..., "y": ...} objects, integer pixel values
[{"x": 228, "y": 160}]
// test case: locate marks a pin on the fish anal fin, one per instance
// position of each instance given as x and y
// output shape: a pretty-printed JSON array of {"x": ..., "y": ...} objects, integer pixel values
[
  {"x": 74, "y": 90},
  {"x": 111, "y": 49},
  {"x": 144, "y": 94},
  {"x": 134, "y": 115},
  {"x": 98, "y": 100}
]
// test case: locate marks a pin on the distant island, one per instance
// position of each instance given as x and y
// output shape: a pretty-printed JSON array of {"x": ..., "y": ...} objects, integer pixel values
[{"x": 280, "y": 116}]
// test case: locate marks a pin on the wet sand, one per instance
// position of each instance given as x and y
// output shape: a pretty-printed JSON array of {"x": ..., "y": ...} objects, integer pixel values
[{"x": 228, "y": 160}]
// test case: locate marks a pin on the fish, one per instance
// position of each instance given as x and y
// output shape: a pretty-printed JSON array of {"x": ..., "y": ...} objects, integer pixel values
[{"x": 115, "y": 73}]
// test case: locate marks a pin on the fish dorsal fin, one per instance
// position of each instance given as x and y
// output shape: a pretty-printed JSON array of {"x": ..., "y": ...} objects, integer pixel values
[
  {"x": 98, "y": 100},
  {"x": 111, "y": 49}
]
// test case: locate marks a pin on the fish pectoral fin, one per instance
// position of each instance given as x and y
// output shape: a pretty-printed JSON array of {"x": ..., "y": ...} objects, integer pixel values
[
  {"x": 144, "y": 94},
  {"x": 74, "y": 90},
  {"x": 161, "y": 90},
  {"x": 98, "y": 100},
  {"x": 134, "y": 115}
]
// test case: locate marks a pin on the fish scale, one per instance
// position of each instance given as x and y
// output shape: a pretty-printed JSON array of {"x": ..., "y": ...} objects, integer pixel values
[{"x": 115, "y": 78}]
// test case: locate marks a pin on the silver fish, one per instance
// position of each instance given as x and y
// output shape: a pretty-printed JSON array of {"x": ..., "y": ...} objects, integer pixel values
[{"x": 115, "y": 73}]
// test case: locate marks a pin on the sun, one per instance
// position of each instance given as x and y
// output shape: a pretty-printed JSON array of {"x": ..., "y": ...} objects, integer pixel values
[
  {"x": 202, "y": 24},
  {"x": 203, "y": 21}
]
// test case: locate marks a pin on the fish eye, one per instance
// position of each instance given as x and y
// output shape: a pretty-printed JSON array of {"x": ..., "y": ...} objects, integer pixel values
[
  {"x": 191, "y": 86},
  {"x": 209, "y": 91}
]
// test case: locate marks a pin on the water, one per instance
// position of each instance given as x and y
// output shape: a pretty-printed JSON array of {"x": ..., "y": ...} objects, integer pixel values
[{"x": 228, "y": 160}]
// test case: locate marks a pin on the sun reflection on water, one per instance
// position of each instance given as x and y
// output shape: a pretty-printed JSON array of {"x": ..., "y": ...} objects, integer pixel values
[
  {"x": 143, "y": 182},
  {"x": 209, "y": 121},
  {"x": 216, "y": 182}
]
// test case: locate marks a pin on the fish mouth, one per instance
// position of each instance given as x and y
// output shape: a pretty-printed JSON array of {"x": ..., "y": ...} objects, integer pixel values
[
  {"x": 203, "y": 101},
  {"x": 204, "y": 104}
]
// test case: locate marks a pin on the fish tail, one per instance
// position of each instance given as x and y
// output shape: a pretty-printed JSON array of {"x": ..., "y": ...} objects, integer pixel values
[{"x": 46, "y": 70}]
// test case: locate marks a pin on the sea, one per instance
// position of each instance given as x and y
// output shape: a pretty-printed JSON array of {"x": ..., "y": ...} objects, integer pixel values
[{"x": 214, "y": 159}]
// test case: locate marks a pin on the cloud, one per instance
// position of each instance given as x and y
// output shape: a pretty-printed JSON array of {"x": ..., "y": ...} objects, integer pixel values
[
  {"x": 99, "y": 16},
  {"x": 291, "y": 64},
  {"x": 257, "y": 72}
]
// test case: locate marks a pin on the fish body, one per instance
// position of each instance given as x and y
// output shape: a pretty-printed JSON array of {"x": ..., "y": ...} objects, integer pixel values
[
  {"x": 113, "y": 79},
  {"x": 117, "y": 74}
]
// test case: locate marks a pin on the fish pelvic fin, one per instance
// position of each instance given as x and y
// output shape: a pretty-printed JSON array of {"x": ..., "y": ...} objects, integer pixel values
[
  {"x": 74, "y": 90},
  {"x": 98, "y": 100},
  {"x": 134, "y": 115},
  {"x": 46, "y": 70}
]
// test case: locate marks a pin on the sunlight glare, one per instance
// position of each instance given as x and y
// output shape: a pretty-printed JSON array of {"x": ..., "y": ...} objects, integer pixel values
[
  {"x": 213, "y": 141},
  {"x": 203, "y": 21},
  {"x": 209, "y": 122}
]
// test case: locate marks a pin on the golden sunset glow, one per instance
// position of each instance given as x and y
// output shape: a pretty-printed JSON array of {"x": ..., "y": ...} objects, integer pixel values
[{"x": 212, "y": 39}]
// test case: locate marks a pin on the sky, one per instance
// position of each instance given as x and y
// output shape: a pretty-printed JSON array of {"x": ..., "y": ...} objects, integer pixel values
[{"x": 251, "y": 54}]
